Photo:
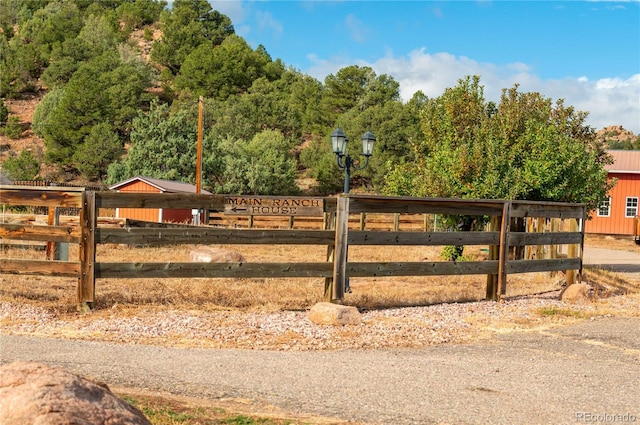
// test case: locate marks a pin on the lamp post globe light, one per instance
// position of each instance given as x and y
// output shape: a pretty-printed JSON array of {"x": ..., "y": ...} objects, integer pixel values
[{"x": 345, "y": 162}]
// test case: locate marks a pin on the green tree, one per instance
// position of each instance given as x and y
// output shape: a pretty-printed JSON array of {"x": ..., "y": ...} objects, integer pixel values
[
  {"x": 226, "y": 70},
  {"x": 134, "y": 14},
  {"x": 103, "y": 89},
  {"x": 100, "y": 148},
  {"x": 265, "y": 106},
  {"x": 186, "y": 26},
  {"x": 319, "y": 159},
  {"x": 163, "y": 145},
  {"x": 22, "y": 167},
  {"x": 43, "y": 111},
  {"x": 356, "y": 87},
  {"x": 526, "y": 147},
  {"x": 262, "y": 166},
  {"x": 304, "y": 98},
  {"x": 52, "y": 25},
  {"x": 65, "y": 60},
  {"x": 20, "y": 66},
  {"x": 98, "y": 36},
  {"x": 357, "y": 100}
]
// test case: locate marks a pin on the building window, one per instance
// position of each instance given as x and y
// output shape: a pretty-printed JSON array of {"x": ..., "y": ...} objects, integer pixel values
[
  {"x": 604, "y": 209},
  {"x": 632, "y": 207}
]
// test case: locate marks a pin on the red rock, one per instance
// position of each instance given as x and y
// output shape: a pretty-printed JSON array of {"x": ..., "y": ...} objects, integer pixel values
[
  {"x": 38, "y": 394},
  {"x": 207, "y": 254}
]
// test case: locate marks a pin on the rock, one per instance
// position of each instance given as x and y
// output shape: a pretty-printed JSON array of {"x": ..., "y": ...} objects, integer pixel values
[
  {"x": 334, "y": 314},
  {"x": 578, "y": 293},
  {"x": 207, "y": 254},
  {"x": 34, "y": 393}
]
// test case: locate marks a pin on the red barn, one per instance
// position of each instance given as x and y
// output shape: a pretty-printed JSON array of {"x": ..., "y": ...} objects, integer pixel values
[
  {"x": 140, "y": 184},
  {"x": 618, "y": 214}
]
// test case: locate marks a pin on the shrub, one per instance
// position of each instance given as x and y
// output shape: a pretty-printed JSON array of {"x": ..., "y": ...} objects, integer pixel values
[{"x": 13, "y": 128}]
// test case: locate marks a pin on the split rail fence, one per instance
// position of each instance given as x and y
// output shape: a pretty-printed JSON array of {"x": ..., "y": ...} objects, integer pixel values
[{"x": 507, "y": 233}]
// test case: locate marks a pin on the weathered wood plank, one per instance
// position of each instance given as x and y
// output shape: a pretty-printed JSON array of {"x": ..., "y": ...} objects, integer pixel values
[
  {"x": 213, "y": 203},
  {"x": 39, "y": 233},
  {"x": 212, "y": 236},
  {"x": 212, "y": 270},
  {"x": 159, "y": 200},
  {"x": 423, "y": 238},
  {"x": 437, "y": 268},
  {"x": 546, "y": 209},
  {"x": 407, "y": 205},
  {"x": 40, "y": 267},
  {"x": 532, "y": 266},
  {"x": 40, "y": 196},
  {"x": 552, "y": 238}
]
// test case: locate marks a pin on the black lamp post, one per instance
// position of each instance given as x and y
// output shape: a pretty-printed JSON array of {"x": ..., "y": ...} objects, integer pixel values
[{"x": 345, "y": 162}]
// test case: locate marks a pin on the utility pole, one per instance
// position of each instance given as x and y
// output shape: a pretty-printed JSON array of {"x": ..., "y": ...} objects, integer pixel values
[{"x": 199, "y": 150}]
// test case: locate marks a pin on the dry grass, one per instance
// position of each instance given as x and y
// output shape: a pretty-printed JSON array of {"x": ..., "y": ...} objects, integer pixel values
[{"x": 277, "y": 294}]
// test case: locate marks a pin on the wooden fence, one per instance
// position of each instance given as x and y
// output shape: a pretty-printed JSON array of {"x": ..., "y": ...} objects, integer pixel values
[{"x": 507, "y": 232}]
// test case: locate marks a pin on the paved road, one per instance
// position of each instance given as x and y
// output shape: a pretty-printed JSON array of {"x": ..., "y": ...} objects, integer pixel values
[
  {"x": 559, "y": 376},
  {"x": 626, "y": 262}
]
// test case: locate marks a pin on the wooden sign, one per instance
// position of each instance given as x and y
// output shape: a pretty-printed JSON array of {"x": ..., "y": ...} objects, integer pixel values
[{"x": 270, "y": 205}]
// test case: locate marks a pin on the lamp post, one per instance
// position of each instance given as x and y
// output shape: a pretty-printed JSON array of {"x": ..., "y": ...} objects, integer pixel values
[{"x": 345, "y": 162}]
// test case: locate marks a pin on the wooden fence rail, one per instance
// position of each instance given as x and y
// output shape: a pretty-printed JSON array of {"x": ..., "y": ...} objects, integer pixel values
[{"x": 337, "y": 235}]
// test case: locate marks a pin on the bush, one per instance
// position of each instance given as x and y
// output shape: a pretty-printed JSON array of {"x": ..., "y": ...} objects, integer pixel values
[
  {"x": 22, "y": 167},
  {"x": 4, "y": 112},
  {"x": 13, "y": 128}
]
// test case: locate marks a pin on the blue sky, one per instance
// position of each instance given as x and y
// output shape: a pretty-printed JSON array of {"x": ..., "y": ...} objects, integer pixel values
[{"x": 587, "y": 53}]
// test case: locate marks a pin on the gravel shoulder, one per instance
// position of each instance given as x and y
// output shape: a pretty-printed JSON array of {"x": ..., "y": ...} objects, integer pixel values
[{"x": 533, "y": 377}]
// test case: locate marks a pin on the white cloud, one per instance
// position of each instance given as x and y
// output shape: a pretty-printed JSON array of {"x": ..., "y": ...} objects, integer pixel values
[
  {"x": 235, "y": 10},
  {"x": 357, "y": 29},
  {"x": 266, "y": 22},
  {"x": 610, "y": 101}
]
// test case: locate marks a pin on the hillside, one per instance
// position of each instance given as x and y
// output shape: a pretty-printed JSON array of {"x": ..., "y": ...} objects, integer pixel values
[{"x": 24, "y": 109}]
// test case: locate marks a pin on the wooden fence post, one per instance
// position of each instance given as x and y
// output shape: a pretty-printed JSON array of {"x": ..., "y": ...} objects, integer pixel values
[
  {"x": 53, "y": 219},
  {"x": 504, "y": 249},
  {"x": 572, "y": 252},
  {"x": 540, "y": 248},
  {"x": 492, "y": 279},
  {"x": 87, "y": 279},
  {"x": 341, "y": 248},
  {"x": 329, "y": 223},
  {"x": 583, "y": 222}
]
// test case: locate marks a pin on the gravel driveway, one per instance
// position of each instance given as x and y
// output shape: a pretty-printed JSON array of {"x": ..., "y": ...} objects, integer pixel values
[{"x": 562, "y": 376}]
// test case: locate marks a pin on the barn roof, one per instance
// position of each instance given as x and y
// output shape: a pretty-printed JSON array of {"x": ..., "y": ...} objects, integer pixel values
[
  {"x": 625, "y": 161},
  {"x": 162, "y": 185}
]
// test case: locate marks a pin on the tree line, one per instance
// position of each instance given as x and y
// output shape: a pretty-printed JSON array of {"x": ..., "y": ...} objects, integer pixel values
[{"x": 109, "y": 113}]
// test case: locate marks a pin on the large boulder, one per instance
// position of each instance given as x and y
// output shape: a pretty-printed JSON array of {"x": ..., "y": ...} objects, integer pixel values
[
  {"x": 208, "y": 254},
  {"x": 34, "y": 393},
  {"x": 334, "y": 314},
  {"x": 578, "y": 293}
]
